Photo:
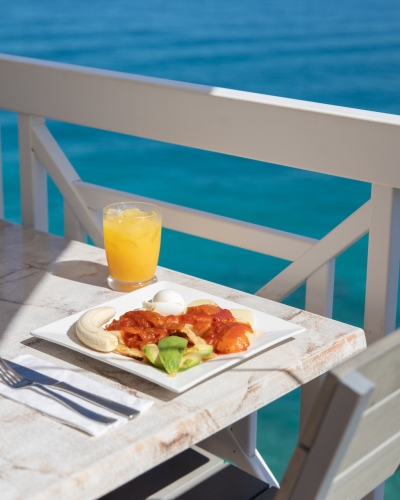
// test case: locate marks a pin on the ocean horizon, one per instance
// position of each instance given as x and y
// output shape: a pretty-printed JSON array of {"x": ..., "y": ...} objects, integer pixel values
[{"x": 340, "y": 53}]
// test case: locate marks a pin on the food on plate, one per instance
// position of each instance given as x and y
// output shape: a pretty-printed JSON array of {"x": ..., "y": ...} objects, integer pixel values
[
  {"x": 171, "y": 351},
  {"x": 194, "y": 355},
  {"x": 201, "y": 302},
  {"x": 243, "y": 315},
  {"x": 89, "y": 331},
  {"x": 172, "y": 341},
  {"x": 153, "y": 355},
  {"x": 166, "y": 302},
  {"x": 185, "y": 359},
  {"x": 204, "y": 324}
]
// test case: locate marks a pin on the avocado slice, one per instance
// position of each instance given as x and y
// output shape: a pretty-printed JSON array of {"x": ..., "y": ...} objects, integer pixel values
[
  {"x": 204, "y": 349},
  {"x": 153, "y": 355},
  {"x": 194, "y": 355},
  {"x": 171, "y": 351}
]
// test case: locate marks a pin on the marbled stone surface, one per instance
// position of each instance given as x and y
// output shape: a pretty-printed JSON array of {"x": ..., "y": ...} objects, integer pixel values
[{"x": 44, "y": 278}]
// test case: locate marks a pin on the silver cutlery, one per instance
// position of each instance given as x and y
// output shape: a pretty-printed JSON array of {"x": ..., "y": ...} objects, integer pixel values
[
  {"x": 41, "y": 379},
  {"x": 15, "y": 381}
]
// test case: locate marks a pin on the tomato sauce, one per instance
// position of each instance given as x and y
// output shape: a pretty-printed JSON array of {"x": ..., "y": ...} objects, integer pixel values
[{"x": 215, "y": 325}]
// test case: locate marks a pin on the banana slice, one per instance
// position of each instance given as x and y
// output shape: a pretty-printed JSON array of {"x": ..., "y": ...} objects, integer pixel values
[{"x": 89, "y": 332}]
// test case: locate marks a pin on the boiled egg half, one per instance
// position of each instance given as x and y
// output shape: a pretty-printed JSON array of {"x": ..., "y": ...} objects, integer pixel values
[{"x": 166, "y": 302}]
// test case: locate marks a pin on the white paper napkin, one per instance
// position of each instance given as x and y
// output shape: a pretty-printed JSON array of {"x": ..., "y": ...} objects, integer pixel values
[{"x": 34, "y": 398}]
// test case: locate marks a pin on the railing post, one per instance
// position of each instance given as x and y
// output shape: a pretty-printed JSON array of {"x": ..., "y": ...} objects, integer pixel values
[
  {"x": 319, "y": 290},
  {"x": 383, "y": 263},
  {"x": 33, "y": 177},
  {"x": 1, "y": 182},
  {"x": 73, "y": 229},
  {"x": 319, "y": 300},
  {"x": 65, "y": 176},
  {"x": 382, "y": 273}
]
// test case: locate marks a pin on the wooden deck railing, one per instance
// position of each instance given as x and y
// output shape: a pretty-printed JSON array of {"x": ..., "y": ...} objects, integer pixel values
[{"x": 344, "y": 142}]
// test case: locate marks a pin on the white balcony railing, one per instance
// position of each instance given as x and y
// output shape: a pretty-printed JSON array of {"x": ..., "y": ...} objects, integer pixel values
[{"x": 344, "y": 142}]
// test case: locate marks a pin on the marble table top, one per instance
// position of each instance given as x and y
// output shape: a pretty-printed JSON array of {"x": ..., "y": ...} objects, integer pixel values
[{"x": 44, "y": 278}]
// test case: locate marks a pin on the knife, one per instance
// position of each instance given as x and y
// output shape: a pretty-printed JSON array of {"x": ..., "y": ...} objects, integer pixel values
[{"x": 45, "y": 380}]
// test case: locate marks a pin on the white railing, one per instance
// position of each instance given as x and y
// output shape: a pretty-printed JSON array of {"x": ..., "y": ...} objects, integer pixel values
[{"x": 344, "y": 142}]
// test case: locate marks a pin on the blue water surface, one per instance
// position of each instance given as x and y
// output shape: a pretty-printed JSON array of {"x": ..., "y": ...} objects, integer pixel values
[{"x": 338, "y": 52}]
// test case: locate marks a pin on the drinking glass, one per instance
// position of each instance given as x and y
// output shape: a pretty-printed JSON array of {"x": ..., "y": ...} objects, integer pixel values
[{"x": 132, "y": 237}]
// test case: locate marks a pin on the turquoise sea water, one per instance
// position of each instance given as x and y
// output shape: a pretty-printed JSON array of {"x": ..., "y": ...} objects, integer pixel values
[{"x": 338, "y": 52}]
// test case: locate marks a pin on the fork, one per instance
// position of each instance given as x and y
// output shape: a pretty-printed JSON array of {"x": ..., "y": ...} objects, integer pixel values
[
  {"x": 114, "y": 406},
  {"x": 15, "y": 381}
]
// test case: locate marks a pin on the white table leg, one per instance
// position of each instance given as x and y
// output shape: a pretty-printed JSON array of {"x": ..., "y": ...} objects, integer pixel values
[{"x": 237, "y": 443}]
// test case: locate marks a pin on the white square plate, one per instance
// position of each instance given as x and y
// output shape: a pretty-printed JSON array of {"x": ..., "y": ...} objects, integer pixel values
[{"x": 271, "y": 330}]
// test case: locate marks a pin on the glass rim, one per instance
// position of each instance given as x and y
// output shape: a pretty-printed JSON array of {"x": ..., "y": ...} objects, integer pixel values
[{"x": 134, "y": 204}]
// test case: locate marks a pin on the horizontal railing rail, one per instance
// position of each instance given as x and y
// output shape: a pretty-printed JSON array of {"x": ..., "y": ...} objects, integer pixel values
[
  {"x": 253, "y": 237},
  {"x": 343, "y": 142}
]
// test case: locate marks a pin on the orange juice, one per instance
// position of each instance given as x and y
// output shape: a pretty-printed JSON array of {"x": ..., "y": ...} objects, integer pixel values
[{"x": 132, "y": 236}]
